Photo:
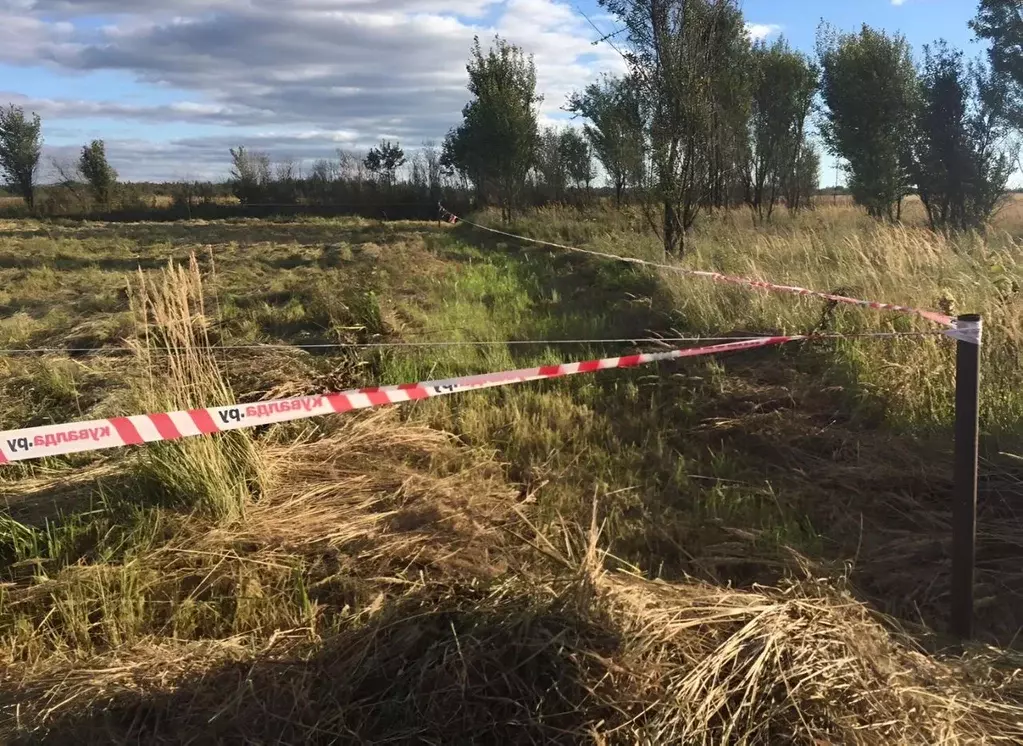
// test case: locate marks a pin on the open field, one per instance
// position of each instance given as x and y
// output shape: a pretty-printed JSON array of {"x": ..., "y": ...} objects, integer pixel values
[{"x": 752, "y": 549}]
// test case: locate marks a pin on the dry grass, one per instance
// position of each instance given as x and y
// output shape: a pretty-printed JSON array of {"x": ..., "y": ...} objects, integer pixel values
[
  {"x": 841, "y": 450},
  {"x": 561, "y": 652},
  {"x": 374, "y": 579},
  {"x": 218, "y": 475},
  {"x": 806, "y": 665},
  {"x": 838, "y": 249},
  {"x": 348, "y": 528}
]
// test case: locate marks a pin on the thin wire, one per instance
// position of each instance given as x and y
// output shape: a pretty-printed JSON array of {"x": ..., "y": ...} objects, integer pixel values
[{"x": 486, "y": 343}]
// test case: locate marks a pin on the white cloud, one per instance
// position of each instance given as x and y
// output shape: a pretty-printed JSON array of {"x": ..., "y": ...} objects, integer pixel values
[
  {"x": 172, "y": 8},
  {"x": 371, "y": 68},
  {"x": 759, "y": 31},
  {"x": 23, "y": 36},
  {"x": 898, "y": 2},
  {"x": 310, "y": 75}
]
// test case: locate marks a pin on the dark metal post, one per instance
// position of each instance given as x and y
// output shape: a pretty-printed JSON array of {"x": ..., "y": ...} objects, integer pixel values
[{"x": 967, "y": 437}]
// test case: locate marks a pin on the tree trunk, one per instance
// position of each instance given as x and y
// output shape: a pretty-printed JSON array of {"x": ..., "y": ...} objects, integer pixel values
[
  {"x": 928, "y": 208},
  {"x": 674, "y": 233}
]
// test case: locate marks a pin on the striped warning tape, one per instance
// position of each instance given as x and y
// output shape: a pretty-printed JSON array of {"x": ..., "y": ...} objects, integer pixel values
[
  {"x": 115, "y": 432},
  {"x": 934, "y": 316}
]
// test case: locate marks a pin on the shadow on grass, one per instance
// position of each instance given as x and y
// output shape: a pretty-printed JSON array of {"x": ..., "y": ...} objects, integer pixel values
[
  {"x": 440, "y": 672},
  {"x": 65, "y": 263},
  {"x": 743, "y": 457}
]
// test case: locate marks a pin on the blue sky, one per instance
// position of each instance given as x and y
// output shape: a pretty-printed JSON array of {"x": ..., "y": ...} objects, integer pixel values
[
  {"x": 171, "y": 85},
  {"x": 920, "y": 21}
]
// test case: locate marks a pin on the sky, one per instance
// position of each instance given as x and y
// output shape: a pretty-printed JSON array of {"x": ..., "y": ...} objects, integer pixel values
[{"x": 171, "y": 85}]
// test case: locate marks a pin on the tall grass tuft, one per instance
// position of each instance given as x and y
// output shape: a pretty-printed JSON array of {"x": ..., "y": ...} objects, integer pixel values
[{"x": 216, "y": 475}]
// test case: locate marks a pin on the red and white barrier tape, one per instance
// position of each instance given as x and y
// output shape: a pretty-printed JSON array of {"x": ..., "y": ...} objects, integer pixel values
[
  {"x": 115, "y": 432},
  {"x": 934, "y": 316}
]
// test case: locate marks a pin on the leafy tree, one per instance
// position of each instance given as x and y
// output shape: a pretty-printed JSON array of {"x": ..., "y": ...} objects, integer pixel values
[
  {"x": 551, "y": 165},
  {"x": 799, "y": 185},
  {"x": 250, "y": 174},
  {"x": 495, "y": 146},
  {"x": 1000, "y": 22},
  {"x": 563, "y": 159},
  {"x": 678, "y": 53},
  {"x": 784, "y": 83},
  {"x": 21, "y": 146},
  {"x": 97, "y": 172},
  {"x": 385, "y": 160},
  {"x": 959, "y": 165},
  {"x": 730, "y": 80},
  {"x": 616, "y": 129},
  {"x": 459, "y": 163},
  {"x": 869, "y": 90},
  {"x": 575, "y": 152}
]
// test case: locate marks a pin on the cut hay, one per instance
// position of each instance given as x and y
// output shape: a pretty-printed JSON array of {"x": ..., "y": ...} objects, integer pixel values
[{"x": 547, "y": 655}]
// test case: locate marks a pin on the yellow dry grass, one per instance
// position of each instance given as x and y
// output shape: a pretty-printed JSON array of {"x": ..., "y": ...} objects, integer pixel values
[
  {"x": 218, "y": 475},
  {"x": 370, "y": 579},
  {"x": 558, "y": 651}
]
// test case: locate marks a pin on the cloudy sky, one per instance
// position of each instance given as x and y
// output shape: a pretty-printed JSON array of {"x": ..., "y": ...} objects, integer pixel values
[{"x": 172, "y": 84}]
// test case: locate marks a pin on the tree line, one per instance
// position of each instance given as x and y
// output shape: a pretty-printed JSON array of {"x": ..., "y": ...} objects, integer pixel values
[{"x": 705, "y": 118}]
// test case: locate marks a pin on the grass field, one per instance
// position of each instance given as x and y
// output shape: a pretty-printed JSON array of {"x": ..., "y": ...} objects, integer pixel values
[{"x": 751, "y": 549}]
